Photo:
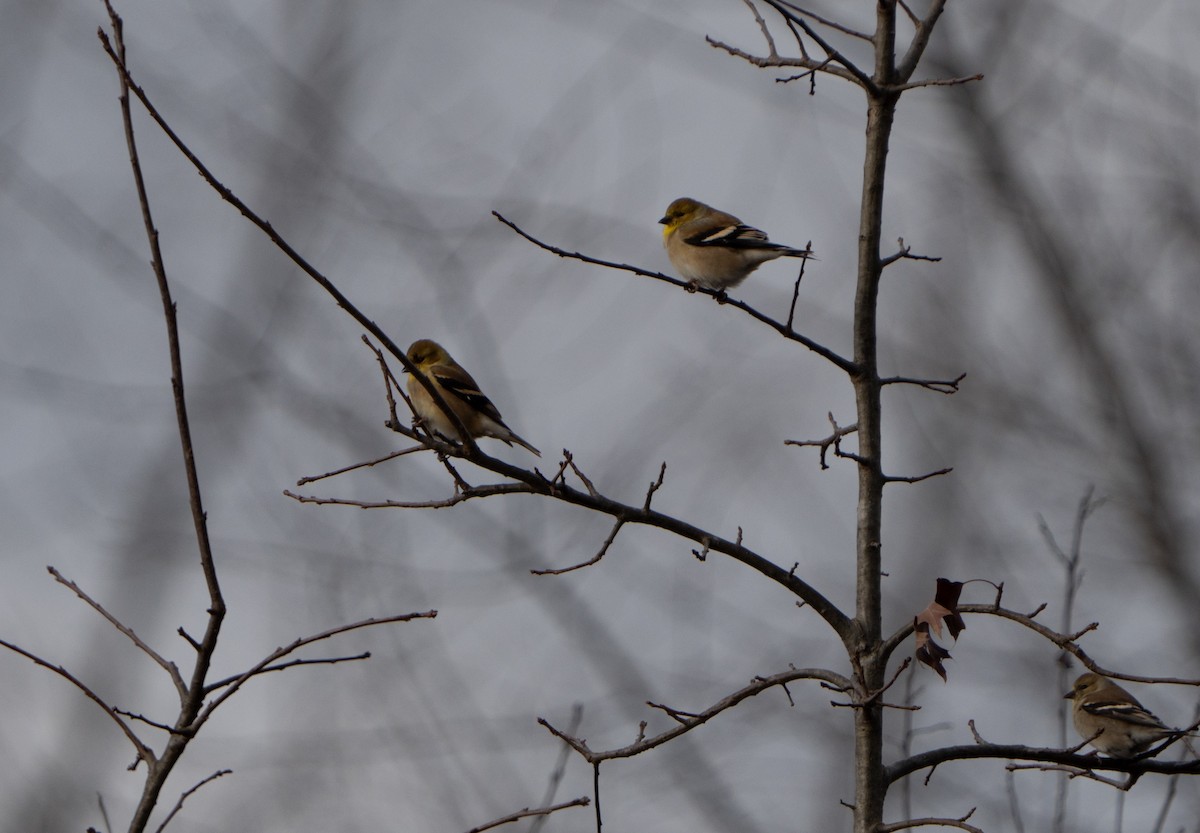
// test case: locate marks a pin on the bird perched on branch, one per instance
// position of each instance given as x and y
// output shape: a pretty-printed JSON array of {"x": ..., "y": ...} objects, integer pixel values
[
  {"x": 476, "y": 412},
  {"x": 1112, "y": 720},
  {"x": 716, "y": 250}
]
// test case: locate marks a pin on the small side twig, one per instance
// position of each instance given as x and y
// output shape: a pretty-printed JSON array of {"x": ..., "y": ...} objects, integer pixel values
[
  {"x": 916, "y": 478},
  {"x": 366, "y": 464},
  {"x": 612, "y": 536},
  {"x": 143, "y": 751},
  {"x": 582, "y": 801},
  {"x": 834, "y": 440},
  {"x": 170, "y": 667},
  {"x": 187, "y": 793},
  {"x": 905, "y": 253},
  {"x": 796, "y": 289},
  {"x": 946, "y": 386}
]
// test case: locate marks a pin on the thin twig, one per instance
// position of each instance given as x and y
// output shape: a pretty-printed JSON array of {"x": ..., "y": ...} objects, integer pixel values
[
  {"x": 796, "y": 290},
  {"x": 824, "y": 21},
  {"x": 833, "y": 440},
  {"x": 560, "y": 768},
  {"x": 693, "y": 720},
  {"x": 526, "y": 813},
  {"x": 179, "y": 804},
  {"x": 170, "y": 667},
  {"x": 460, "y": 497},
  {"x": 946, "y": 386},
  {"x": 363, "y": 465},
  {"x": 905, "y": 253},
  {"x": 265, "y": 665},
  {"x": 612, "y": 536},
  {"x": 917, "y": 478},
  {"x": 655, "y": 486},
  {"x": 762, "y": 26},
  {"x": 283, "y": 666},
  {"x": 143, "y": 751}
]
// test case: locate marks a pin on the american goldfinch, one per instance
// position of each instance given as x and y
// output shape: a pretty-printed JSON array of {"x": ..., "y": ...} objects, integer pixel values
[
  {"x": 476, "y": 412},
  {"x": 1125, "y": 727},
  {"x": 713, "y": 249}
]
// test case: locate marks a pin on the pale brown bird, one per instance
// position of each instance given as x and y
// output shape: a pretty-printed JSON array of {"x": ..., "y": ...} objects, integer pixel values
[
  {"x": 1112, "y": 719},
  {"x": 713, "y": 249},
  {"x": 476, "y": 412}
]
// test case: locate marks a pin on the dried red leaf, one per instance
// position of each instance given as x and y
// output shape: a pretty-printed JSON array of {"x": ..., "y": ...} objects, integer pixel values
[{"x": 927, "y": 623}]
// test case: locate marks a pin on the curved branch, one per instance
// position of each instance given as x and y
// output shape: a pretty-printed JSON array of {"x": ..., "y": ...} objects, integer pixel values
[
  {"x": 168, "y": 666},
  {"x": 960, "y": 823},
  {"x": 1063, "y": 641},
  {"x": 687, "y": 721},
  {"x": 143, "y": 751},
  {"x": 534, "y": 482},
  {"x": 780, "y": 327}
]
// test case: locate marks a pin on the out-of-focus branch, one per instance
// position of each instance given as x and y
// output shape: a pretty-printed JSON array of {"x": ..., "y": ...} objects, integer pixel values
[{"x": 1072, "y": 578}]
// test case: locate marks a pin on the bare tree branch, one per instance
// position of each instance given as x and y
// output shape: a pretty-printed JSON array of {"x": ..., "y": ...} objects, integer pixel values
[
  {"x": 960, "y": 823},
  {"x": 916, "y": 478},
  {"x": 824, "y": 21},
  {"x": 170, "y": 667},
  {"x": 265, "y": 665},
  {"x": 143, "y": 751},
  {"x": 833, "y": 440},
  {"x": 364, "y": 465},
  {"x": 283, "y": 666},
  {"x": 946, "y": 386},
  {"x": 187, "y": 793},
  {"x": 781, "y": 328},
  {"x": 916, "y": 48},
  {"x": 612, "y": 536},
  {"x": 687, "y": 721},
  {"x": 526, "y": 813}
]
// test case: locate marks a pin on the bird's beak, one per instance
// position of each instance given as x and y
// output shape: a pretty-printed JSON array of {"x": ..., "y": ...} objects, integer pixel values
[
  {"x": 1070, "y": 695},
  {"x": 664, "y": 221}
]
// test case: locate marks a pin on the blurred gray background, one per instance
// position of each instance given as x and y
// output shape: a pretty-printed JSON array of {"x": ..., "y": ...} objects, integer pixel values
[{"x": 377, "y": 137}]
